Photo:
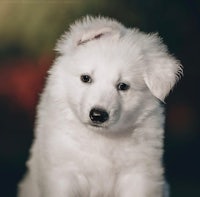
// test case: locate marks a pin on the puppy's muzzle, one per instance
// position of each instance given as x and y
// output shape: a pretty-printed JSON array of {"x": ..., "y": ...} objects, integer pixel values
[{"x": 98, "y": 115}]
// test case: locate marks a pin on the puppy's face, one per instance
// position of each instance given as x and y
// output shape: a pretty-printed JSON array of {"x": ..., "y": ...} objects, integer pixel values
[
  {"x": 105, "y": 86},
  {"x": 111, "y": 77}
]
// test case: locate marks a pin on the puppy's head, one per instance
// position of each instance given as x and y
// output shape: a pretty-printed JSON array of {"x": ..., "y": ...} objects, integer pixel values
[{"x": 110, "y": 76}]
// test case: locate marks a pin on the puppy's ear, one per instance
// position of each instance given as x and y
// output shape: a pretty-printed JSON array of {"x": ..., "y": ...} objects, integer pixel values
[
  {"x": 89, "y": 29},
  {"x": 96, "y": 34},
  {"x": 162, "y": 69}
]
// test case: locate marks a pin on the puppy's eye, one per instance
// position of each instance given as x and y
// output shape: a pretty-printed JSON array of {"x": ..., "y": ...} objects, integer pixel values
[
  {"x": 86, "y": 79},
  {"x": 122, "y": 86}
]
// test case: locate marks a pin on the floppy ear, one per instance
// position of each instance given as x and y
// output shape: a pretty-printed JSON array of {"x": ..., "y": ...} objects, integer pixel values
[{"x": 162, "y": 70}]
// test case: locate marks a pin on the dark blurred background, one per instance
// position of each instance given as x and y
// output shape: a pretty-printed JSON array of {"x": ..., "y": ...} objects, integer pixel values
[{"x": 28, "y": 32}]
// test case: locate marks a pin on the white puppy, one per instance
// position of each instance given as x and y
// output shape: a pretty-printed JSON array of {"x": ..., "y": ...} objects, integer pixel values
[{"x": 99, "y": 128}]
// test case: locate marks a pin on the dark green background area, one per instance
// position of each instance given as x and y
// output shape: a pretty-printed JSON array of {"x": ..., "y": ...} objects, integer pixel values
[{"x": 29, "y": 29}]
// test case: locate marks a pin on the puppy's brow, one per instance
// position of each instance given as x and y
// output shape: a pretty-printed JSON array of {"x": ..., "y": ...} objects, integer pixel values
[{"x": 81, "y": 42}]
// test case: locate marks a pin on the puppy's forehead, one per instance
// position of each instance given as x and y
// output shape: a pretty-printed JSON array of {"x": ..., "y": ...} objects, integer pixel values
[
  {"x": 110, "y": 63},
  {"x": 110, "y": 55}
]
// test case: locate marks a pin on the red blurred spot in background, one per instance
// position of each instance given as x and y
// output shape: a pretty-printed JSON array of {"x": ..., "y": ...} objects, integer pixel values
[
  {"x": 181, "y": 118},
  {"x": 21, "y": 81}
]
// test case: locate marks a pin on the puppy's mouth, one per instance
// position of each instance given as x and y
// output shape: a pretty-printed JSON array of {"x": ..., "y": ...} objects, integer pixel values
[{"x": 97, "y": 125}]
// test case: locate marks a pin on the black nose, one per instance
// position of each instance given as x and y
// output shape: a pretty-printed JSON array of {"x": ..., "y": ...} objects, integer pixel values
[{"x": 98, "y": 115}]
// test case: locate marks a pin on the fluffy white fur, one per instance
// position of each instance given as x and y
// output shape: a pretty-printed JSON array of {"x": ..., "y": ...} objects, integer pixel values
[{"x": 122, "y": 157}]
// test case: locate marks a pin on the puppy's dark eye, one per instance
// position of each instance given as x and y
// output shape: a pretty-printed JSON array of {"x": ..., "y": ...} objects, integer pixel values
[
  {"x": 122, "y": 86},
  {"x": 86, "y": 79}
]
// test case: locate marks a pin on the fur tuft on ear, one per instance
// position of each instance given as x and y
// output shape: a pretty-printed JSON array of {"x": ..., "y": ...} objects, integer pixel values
[
  {"x": 162, "y": 69},
  {"x": 89, "y": 29}
]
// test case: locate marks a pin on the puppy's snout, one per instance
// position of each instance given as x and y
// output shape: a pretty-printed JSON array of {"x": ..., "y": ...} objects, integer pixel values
[{"x": 98, "y": 115}]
